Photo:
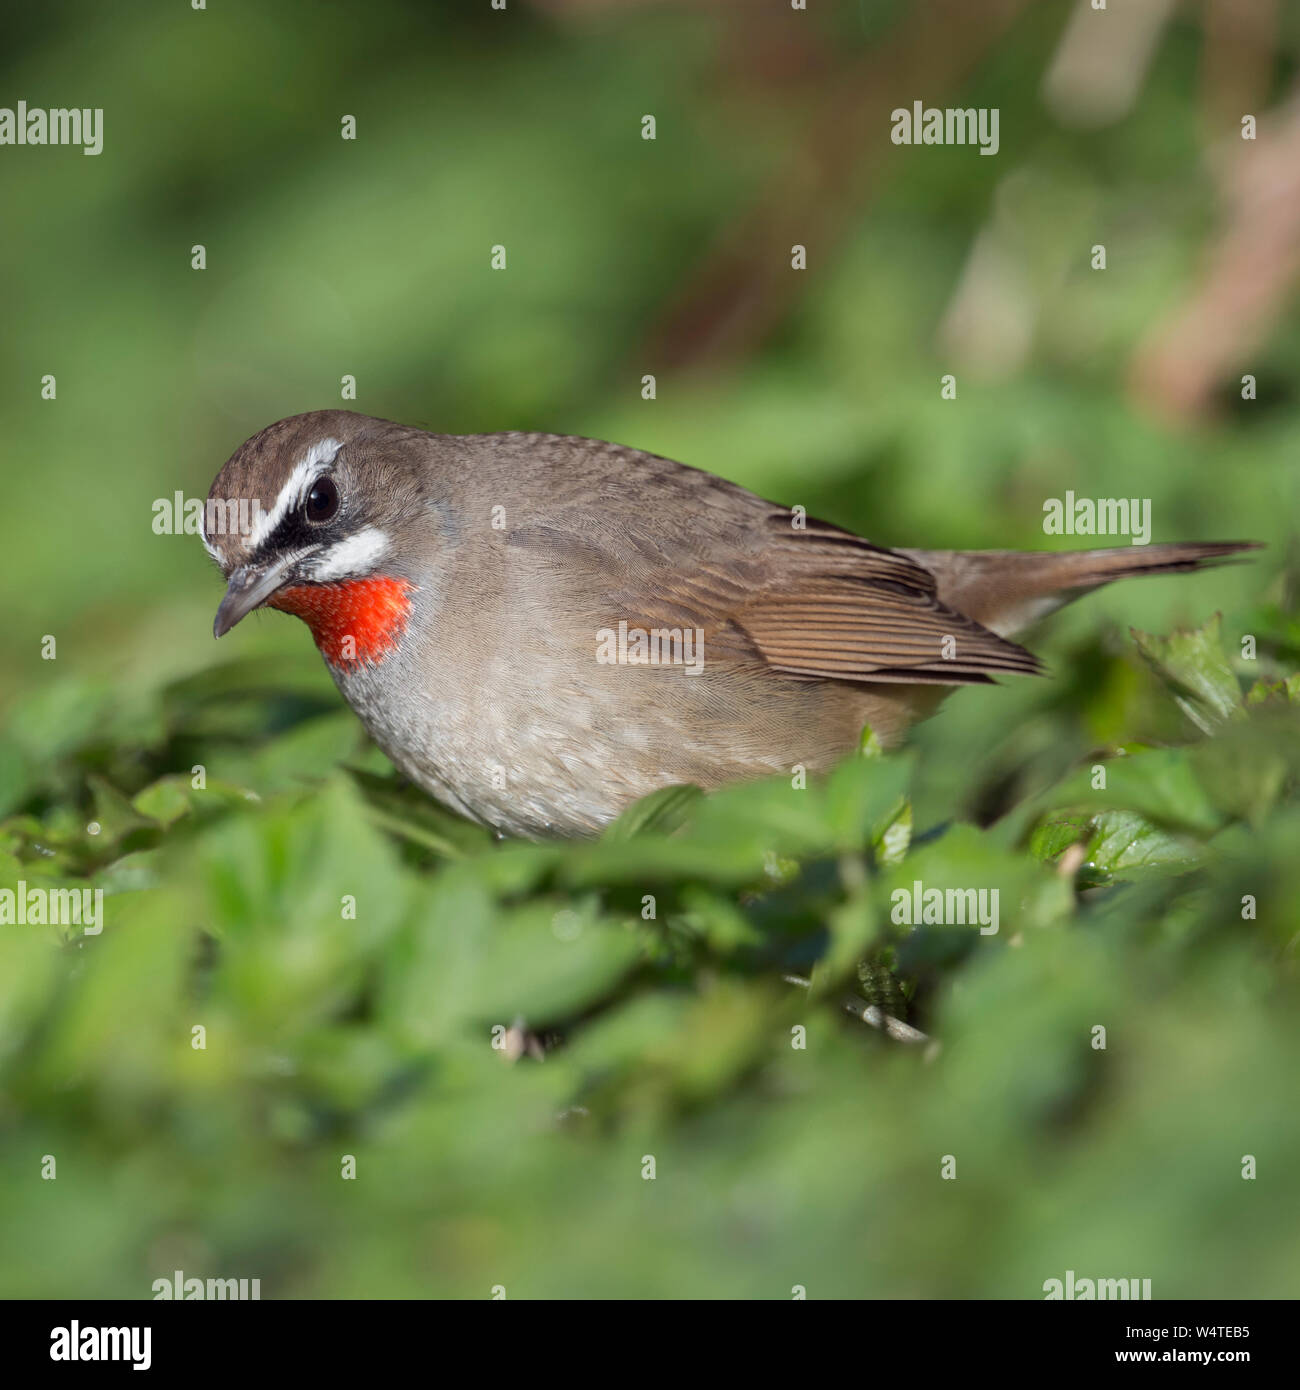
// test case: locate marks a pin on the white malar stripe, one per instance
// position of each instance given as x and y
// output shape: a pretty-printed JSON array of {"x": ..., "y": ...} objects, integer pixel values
[
  {"x": 294, "y": 492},
  {"x": 352, "y": 556}
]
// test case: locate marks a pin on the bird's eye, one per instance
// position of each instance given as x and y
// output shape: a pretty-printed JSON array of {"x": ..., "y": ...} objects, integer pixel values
[{"x": 322, "y": 501}]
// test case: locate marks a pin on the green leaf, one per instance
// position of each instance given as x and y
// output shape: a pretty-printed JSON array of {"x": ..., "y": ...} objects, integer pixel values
[
  {"x": 1192, "y": 664},
  {"x": 662, "y": 812},
  {"x": 1286, "y": 691},
  {"x": 411, "y": 814},
  {"x": 114, "y": 815},
  {"x": 548, "y": 961},
  {"x": 891, "y": 841},
  {"x": 15, "y": 779},
  {"x": 165, "y": 800},
  {"x": 1161, "y": 784},
  {"x": 1125, "y": 844}
]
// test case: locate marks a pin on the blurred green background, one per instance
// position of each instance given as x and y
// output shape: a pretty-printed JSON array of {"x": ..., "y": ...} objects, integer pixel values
[{"x": 776, "y": 1166}]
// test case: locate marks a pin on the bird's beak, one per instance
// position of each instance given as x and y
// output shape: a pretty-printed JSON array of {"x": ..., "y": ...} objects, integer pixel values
[{"x": 248, "y": 587}]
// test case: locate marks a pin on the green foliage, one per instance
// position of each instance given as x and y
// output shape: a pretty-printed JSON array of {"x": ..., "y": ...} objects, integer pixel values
[
  {"x": 667, "y": 1034},
  {"x": 351, "y": 951}
]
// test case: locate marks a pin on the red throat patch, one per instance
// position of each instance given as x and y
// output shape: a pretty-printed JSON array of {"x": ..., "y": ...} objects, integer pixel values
[{"x": 355, "y": 622}]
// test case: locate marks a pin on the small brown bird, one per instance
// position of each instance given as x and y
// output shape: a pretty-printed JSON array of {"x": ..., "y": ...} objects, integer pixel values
[{"x": 539, "y": 629}]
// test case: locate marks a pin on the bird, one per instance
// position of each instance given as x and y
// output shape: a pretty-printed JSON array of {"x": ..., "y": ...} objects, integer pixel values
[{"x": 538, "y": 630}]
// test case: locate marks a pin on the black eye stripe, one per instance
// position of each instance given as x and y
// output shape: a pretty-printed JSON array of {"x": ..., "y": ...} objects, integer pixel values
[{"x": 293, "y": 533}]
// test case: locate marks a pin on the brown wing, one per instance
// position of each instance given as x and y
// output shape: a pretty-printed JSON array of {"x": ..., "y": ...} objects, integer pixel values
[
  {"x": 837, "y": 606},
  {"x": 810, "y": 600}
]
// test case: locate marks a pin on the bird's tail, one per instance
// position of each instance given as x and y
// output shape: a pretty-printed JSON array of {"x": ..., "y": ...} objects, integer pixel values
[{"x": 1007, "y": 590}]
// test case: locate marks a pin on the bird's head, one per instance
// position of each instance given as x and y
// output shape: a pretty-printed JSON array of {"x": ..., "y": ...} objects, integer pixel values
[{"x": 311, "y": 516}]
